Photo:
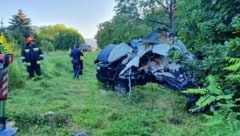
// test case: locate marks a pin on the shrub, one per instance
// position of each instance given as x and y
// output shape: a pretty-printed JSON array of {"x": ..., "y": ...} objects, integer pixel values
[
  {"x": 27, "y": 117},
  {"x": 46, "y": 46},
  {"x": 16, "y": 75},
  {"x": 57, "y": 119}
]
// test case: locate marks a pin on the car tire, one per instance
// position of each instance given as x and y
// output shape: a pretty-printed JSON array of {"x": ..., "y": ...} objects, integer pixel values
[{"x": 121, "y": 86}]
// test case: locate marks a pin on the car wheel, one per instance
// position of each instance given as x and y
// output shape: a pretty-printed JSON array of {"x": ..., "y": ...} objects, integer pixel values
[{"x": 121, "y": 86}]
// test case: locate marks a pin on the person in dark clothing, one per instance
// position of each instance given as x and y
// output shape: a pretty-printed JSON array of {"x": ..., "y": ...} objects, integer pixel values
[
  {"x": 32, "y": 57},
  {"x": 77, "y": 56}
]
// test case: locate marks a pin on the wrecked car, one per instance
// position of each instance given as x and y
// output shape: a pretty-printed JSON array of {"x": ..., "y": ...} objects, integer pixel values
[{"x": 123, "y": 66}]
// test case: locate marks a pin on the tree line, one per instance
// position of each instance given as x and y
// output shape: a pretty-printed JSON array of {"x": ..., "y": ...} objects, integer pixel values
[{"x": 49, "y": 38}]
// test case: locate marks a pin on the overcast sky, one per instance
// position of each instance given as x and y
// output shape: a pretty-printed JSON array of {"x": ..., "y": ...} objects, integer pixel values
[{"x": 83, "y": 15}]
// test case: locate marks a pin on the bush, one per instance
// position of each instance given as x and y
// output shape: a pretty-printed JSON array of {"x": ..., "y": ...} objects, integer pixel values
[
  {"x": 57, "y": 119},
  {"x": 16, "y": 75},
  {"x": 46, "y": 46},
  {"x": 28, "y": 117}
]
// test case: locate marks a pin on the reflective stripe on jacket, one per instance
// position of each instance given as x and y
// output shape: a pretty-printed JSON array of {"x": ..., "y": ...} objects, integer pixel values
[{"x": 31, "y": 53}]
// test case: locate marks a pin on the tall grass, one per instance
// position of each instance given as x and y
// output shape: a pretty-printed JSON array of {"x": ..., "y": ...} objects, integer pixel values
[{"x": 57, "y": 105}]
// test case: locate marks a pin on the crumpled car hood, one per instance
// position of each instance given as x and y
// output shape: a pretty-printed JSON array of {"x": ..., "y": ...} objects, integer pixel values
[{"x": 161, "y": 49}]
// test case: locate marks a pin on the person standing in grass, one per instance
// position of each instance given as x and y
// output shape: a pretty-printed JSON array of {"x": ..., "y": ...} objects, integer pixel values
[
  {"x": 32, "y": 57},
  {"x": 76, "y": 55}
]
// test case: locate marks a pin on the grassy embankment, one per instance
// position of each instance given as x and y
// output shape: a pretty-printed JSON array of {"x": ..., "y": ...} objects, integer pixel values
[{"x": 85, "y": 104}]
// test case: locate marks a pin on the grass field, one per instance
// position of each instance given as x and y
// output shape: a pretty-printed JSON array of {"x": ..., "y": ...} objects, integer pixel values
[{"x": 57, "y": 105}]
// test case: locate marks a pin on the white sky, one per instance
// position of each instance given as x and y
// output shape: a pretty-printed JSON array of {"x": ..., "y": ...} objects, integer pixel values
[{"x": 83, "y": 15}]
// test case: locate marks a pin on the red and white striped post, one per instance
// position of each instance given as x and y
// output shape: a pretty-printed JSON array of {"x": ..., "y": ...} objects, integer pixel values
[
  {"x": 3, "y": 92},
  {"x": 4, "y": 84},
  {"x": 5, "y": 60},
  {"x": 3, "y": 95}
]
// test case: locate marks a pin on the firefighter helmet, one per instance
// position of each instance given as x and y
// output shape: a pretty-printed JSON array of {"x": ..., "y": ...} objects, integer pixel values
[{"x": 30, "y": 39}]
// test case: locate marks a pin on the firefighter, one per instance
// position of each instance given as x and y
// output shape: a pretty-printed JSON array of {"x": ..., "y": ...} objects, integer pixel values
[
  {"x": 77, "y": 57},
  {"x": 32, "y": 57}
]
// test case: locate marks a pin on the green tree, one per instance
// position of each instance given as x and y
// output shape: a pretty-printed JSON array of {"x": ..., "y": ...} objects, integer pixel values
[
  {"x": 153, "y": 11},
  {"x": 46, "y": 46},
  {"x": 205, "y": 27},
  {"x": 68, "y": 38},
  {"x": 21, "y": 24},
  {"x": 8, "y": 47},
  {"x": 49, "y": 32},
  {"x": 200, "y": 22},
  {"x": 214, "y": 28},
  {"x": 118, "y": 30},
  {"x": 130, "y": 8},
  {"x": 134, "y": 19},
  {"x": 17, "y": 37},
  {"x": 61, "y": 37}
]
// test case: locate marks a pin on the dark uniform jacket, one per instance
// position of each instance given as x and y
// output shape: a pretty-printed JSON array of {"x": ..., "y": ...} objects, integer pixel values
[
  {"x": 31, "y": 53},
  {"x": 75, "y": 54}
]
